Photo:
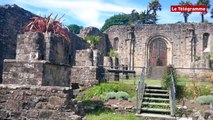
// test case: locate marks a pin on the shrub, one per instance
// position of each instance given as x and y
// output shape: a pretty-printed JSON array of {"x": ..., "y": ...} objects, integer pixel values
[
  {"x": 166, "y": 82},
  {"x": 206, "y": 76},
  {"x": 122, "y": 95},
  {"x": 193, "y": 90},
  {"x": 115, "y": 95},
  {"x": 92, "y": 40},
  {"x": 107, "y": 87},
  {"x": 112, "y": 53},
  {"x": 205, "y": 99}
]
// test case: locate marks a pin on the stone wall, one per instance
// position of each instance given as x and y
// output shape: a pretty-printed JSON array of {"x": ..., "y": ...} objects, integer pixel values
[
  {"x": 58, "y": 50},
  {"x": 33, "y": 102},
  {"x": 176, "y": 36},
  {"x": 30, "y": 46},
  {"x": 45, "y": 63},
  {"x": 84, "y": 75},
  {"x": 38, "y": 73},
  {"x": 88, "y": 57},
  {"x": 12, "y": 19}
]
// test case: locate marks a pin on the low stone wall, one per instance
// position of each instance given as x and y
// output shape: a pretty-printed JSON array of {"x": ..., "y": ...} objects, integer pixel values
[
  {"x": 35, "y": 73},
  {"x": 34, "y": 102},
  {"x": 84, "y": 75}
]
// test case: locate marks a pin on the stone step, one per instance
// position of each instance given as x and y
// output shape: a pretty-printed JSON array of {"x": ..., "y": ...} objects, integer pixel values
[
  {"x": 154, "y": 87},
  {"x": 156, "y": 99},
  {"x": 155, "y": 110},
  {"x": 145, "y": 116},
  {"x": 157, "y": 104},
  {"x": 156, "y": 90},
  {"x": 156, "y": 95}
]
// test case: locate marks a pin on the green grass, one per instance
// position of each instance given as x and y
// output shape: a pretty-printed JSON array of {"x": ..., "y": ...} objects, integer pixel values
[
  {"x": 98, "y": 90},
  {"x": 111, "y": 116}
]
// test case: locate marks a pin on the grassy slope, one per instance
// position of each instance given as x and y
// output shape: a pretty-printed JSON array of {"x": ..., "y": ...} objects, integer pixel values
[{"x": 111, "y": 116}]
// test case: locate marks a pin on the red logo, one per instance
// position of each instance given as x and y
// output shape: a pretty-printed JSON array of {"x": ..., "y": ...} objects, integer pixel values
[{"x": 191, "y": 8}]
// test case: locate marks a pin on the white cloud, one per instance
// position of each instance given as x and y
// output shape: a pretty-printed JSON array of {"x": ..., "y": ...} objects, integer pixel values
[{"x": 86, "y": 11}]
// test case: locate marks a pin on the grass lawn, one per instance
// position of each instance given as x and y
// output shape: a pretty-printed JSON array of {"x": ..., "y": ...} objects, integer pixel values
[
  {"x": 111, "y": 116},
  {"x": 134, "y": 81}
]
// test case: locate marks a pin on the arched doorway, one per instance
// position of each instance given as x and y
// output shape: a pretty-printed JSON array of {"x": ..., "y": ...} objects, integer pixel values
[{"x": 159, "y": 55}]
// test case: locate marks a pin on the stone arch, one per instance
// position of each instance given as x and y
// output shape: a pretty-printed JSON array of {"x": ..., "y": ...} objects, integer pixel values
[
  {"x": 205, "y": 41},
  {"x": 163, "y": 39},
  {"x": 115, "y": 43}
]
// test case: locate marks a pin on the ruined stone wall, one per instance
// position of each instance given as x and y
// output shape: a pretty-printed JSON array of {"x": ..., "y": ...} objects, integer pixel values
[
  {"x": 177, "y": 35},
  {"x": 33, "y": 102},
  {"x": 102, "y": 46},
  {"x": 86, "y": 71},
  {"x": 12, "y": 19},
  {"x": 45, "y": 63},
  {"x": 84, "y": 75}
]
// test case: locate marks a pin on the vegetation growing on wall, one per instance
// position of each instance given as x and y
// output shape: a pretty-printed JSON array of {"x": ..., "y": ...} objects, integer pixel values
[
  {"x": 47, "y": 24},
  {"x": 112, "y": 53},
  {"x": 92, "y": 40}
]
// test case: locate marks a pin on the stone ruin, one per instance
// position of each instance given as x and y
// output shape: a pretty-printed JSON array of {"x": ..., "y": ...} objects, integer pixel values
[
  {"x": 41, "y": 70},
  {"x": 36, "y": 85}
]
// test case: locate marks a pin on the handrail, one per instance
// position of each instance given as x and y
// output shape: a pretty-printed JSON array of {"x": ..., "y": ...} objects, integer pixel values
[
  {"x": 140, "y": 91},
  {"x": 172, "y": 93}
]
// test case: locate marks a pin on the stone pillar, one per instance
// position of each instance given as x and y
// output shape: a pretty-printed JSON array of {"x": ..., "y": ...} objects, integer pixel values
[
  {"x": 85, "y": 72},
  {"x": 107, "y": 62},
  {"x": 96, "y": 57}
]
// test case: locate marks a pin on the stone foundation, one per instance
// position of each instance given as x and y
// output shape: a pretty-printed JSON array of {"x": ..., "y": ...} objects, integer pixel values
[
  {"x": 39, "y": 73},
  {"x": 34, "y": 102}
]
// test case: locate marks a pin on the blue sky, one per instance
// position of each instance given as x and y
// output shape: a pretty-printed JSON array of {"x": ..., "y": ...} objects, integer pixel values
[{"x": 95, "y": 12}]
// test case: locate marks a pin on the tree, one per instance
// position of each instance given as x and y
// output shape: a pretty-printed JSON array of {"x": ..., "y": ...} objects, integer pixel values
[
  {"x": 212, "y": 13},
  {"x": 185, "y": 14},
  {"x": 73, "y": 28},
  {"x": 92, "y": 40},
  {"x": 134, "y": 16},
  {"x": 120, "y": 19},
  {"x": 207, "y": 4},
  {"x": 146, "y": 17},
  {"x": 154, "y": 6}
]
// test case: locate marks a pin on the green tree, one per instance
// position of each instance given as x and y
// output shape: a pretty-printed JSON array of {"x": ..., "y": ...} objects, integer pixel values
[
  {"x": 73, "y": 28},
  {"x": 207, "y": 4},
  {"x": 154, "y": 6},
  {"x": 120, "y": 19},
  {"x": 134, "y": 16},
  {"x": 185, "y": 14},
  {"x": 146, "y": 17}
]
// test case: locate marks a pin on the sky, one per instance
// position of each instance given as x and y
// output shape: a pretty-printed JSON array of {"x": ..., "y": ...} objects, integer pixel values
[{"x": 94, "y": 12}]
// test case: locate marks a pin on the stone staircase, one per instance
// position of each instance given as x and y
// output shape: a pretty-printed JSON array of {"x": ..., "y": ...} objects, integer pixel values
[{"x": 155, "y": 104}]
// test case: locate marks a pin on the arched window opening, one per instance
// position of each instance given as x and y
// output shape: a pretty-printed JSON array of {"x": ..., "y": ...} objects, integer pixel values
[
  {"x": 205, "y": 41},
  {"x": 115, "y": 43}
]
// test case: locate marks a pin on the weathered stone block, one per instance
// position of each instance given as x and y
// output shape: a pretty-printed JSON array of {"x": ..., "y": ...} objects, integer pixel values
[
  {"x": 35, "y": 73},
  {"x": 30, "y": 46},
  {"x": 84, "y": 75},
  {"x": 58, "y": 50}
]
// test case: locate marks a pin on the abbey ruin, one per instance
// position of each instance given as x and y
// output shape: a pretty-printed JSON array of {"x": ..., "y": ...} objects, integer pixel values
[
  {"x": 150, "y": 46},
  {"x": 34, "y": 59}
]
